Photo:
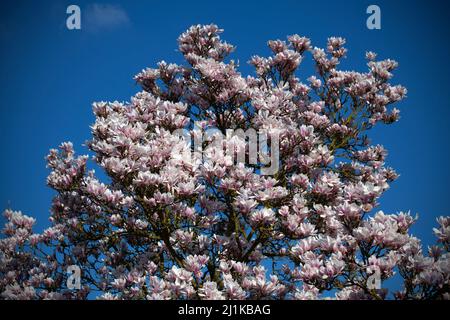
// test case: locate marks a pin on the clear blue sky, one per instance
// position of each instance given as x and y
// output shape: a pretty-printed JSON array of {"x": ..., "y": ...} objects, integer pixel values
[{"x": 50, "y": 76}]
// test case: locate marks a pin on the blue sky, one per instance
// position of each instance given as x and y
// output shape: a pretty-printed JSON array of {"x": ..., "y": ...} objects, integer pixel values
[{"x": 51, "y": 75}]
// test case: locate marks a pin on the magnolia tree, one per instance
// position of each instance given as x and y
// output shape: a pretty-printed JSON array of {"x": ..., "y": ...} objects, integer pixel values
[{"x": 290, "y": 215}]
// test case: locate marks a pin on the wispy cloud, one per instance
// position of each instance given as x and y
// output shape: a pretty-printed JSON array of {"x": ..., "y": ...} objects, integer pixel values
[{"x": 102, "y": 17}]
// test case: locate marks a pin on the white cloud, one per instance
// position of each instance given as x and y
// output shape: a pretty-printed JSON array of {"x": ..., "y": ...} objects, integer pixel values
[{"x": 98, "y": 17}]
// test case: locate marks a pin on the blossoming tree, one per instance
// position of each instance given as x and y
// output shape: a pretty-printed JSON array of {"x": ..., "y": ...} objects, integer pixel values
[{"x": 165, "y": 226}]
